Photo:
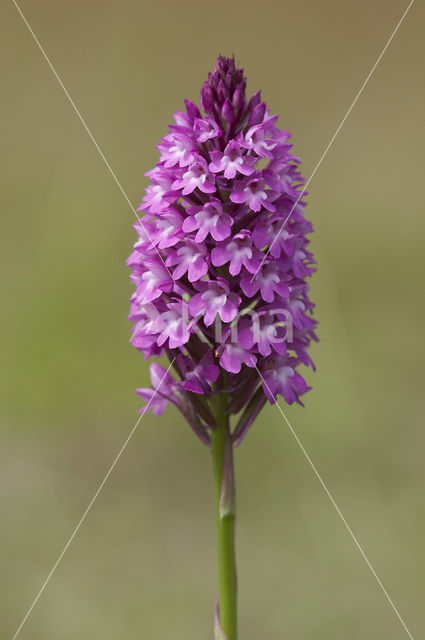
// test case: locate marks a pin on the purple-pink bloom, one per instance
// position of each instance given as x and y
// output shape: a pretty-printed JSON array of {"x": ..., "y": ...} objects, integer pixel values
[
  {"x": 283, "y": 175},
  {"x": 231, "y": 161},
  {"x": 253, "y": 191},
  {"x": 269, "y": 232},
  {"x": 177, "y": 150},
  {"x": 160, "y": 193},
  {"x": 172, "y": 326},
  {"x": 238, "y": 252},
  {"x": 208, "y": 219},
  {"x": 143, "y": 335},
  {"x": 152, "y": 282},
  {"x": 221, "y": 261},
  {"x": 269, "y": 281},
  {"x": 214, "y": 298},
  {"x": 266, "y": 332},
  {"x": 255, "y": 139},
  {"x": 167, "y": 230},
  {"x": 281, "y": 377},
  {"x": 197, "y": 377},
  {"x": 234, "y": 355},
  {"x": 197, "y": 176},
  {"x": 190, "y": 258},
  {"x": 163, "y": 385},
  {"x": 206, "y": 129}
]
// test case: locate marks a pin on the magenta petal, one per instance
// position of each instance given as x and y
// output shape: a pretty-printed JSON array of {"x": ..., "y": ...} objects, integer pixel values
[
  {"x": 230, "y": 361},
  {"x": 189, "y": 224},
  {"x": 196, "y": 305},
  {"x": 249, "y": 285},
  {"x": 194, "y": 386},
  {"x": 228, "y": 312},
  {"x": 246, "y": 338},
  {"x": 221, "y": 231},
  {"x": 238, "y": 197},
  {"x": 197, "y": 270},
  {"x": 218, "y": 256}
]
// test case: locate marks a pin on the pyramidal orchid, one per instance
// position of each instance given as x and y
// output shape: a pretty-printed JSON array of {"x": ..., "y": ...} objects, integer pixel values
[{"x": 220, "y": 267}]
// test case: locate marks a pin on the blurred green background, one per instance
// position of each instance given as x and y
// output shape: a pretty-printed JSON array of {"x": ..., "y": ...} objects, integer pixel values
[{"x": 143, "y": 563}]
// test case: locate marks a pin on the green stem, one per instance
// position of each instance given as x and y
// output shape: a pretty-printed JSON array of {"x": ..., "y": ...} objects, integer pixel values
[{"x": 222, "y": 458}]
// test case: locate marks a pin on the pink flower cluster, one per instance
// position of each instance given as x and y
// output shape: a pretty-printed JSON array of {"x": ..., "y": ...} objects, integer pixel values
[{"x": 221, "y": 260}]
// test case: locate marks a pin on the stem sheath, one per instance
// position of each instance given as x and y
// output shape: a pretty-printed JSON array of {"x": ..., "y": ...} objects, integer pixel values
[{"x": 223, "y": 470}]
